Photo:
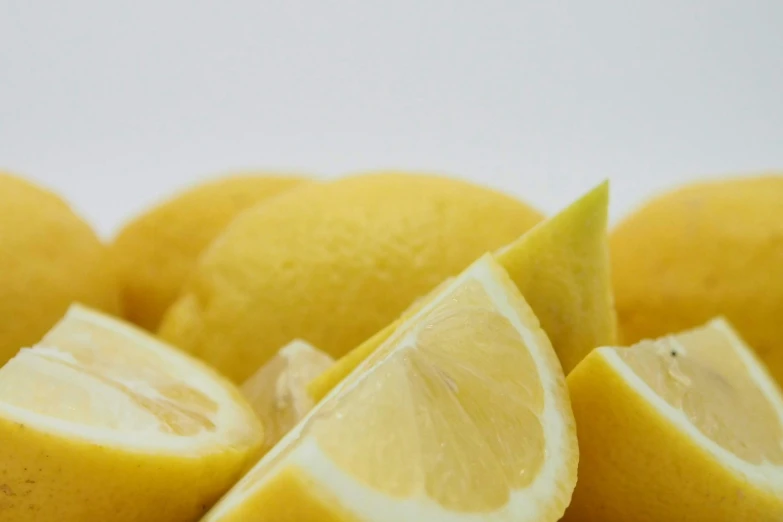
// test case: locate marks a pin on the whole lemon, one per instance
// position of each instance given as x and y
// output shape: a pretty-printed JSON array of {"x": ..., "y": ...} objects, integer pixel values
[
  {"x": 334, "y": 262},
  {"x": 156, "y": 252},
  {"x": 713, "y": 248},
  {"x": 49, "y": 258}
]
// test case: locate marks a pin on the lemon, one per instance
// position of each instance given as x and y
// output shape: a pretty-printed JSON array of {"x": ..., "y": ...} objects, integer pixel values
[
  {"x": 333, "y": 263},
  {"x": 461, "y": 415},
  {"x": 157, "y": 251},
  {"x": 101, "y": 422},
  {"x": 709, "y": 249},
  {"x": 688, "y": 427},
  {"x": 278, "y": 390},
  {"x": 49, "y": 258},
  {"x": 562, "y": 268}
]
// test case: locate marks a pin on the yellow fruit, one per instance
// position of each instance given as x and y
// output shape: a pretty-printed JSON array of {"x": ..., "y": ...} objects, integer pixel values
[
  {"x": 461, "y": 415},
  {"x": 157, "y": 251},
  {"x": 688, "y": 427},
  {"x": 278, "y": 390},
  {"x": 332, "y": 263},
  {"x": 705, "y": 250},
  {"x": 49, "y": 258},
  {"x": 100, "y": 422},
  {"x": 562, "y": 268}
]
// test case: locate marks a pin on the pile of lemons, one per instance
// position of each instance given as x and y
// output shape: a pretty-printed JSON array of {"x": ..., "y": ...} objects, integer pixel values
[{"x": 390, "y": 347}]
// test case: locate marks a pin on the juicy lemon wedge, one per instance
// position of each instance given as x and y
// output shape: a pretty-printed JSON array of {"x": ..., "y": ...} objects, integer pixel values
[
  {"x": 102, "y": 422},
  {"x": 461, "y": 415},
  {"x": 278, "y": 390},
  {"x": 687, "y": 427}
]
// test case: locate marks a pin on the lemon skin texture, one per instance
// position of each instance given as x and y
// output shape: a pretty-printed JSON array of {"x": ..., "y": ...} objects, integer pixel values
[
  {"x": 332, "y": 263},
  {"x": 47, "y": 479},
  {"x": 157, "y": 250}
]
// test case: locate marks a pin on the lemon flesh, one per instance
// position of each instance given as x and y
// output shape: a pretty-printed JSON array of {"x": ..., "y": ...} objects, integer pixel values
[
  {"x": 278, "y": 390},
  {"x": 460, "y": 414},
  {"x": 700, "y": 374},
  {"x": 561, "y": 266},
  {"x": 101, "y": 422},
  {"x": 693, "y": 418}
]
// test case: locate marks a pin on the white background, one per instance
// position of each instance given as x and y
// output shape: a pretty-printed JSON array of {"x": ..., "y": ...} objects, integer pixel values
[{"x": 115, "y": 104}]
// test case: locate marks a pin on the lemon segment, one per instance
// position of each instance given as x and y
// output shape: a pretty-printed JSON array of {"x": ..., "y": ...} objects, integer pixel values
[
  {"x": 277, "y": 391},
  {"x": 102, "y": 422},
  {"x": 460, "y": 415},
  {"x": 693, "y": 418}
]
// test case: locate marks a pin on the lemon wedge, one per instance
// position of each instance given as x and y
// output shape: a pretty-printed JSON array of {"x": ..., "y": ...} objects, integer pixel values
[
  {"x": 686, "y": 427},
  {"x": 561, "y": 266},
  {"x": 461, "y": 415},
  {"x": 102, "y": 422},
  {"x": 278, "y": 390}
]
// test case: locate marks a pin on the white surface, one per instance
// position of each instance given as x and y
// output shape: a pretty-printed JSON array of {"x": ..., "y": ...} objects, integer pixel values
[{"x": 115, "y": 104}]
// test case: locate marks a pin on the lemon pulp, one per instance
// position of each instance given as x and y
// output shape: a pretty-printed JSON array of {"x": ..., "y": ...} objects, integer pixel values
[
  {"x": 700, "y": 373},
  {"x": 277, "y": 391},
  {"x": 102, "y": 380},
  {"x": 470, "y": 385}
]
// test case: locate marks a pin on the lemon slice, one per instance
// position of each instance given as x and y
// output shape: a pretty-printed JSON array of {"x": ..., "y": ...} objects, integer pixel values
[
  {"x": 102, "y": 422},
  {"x": 688, "y": 427},
  {"x": 461, "y": 415},
  {"x": 278, "y": 390},
  {"x": 561, "y": 266}
]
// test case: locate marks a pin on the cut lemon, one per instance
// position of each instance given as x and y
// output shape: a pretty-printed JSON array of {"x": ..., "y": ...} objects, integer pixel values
[
  {"x": 561, "y": 266},
  {"x": 102, "y": 422},
  {"x": 277, "y": 391},
  {"x": 688, "y": 427},
  {"x": 461, "y": 415}
]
